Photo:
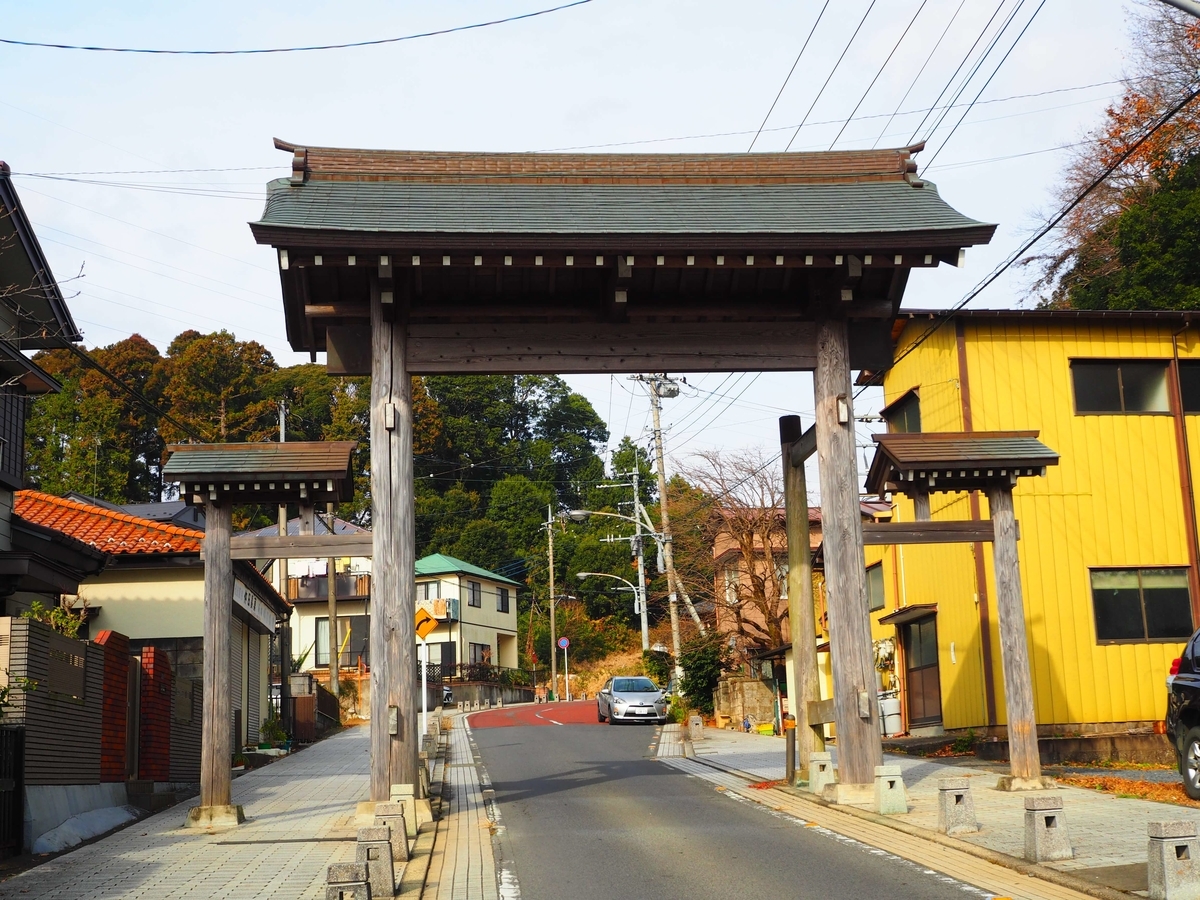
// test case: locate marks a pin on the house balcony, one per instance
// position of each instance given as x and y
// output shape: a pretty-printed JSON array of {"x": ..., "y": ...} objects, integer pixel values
[
  {"x": 349, "y": 585},
  {"x": 444, "y": 609}
]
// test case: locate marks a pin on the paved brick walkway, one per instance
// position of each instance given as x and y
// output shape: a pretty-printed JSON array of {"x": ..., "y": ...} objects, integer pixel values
[
  {"x": 1105, "y": 830},
  {"x": 300, "y": 813},
  {"x": 462, "y": 866}
]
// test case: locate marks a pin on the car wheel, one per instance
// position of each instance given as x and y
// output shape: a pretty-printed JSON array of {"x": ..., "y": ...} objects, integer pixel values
[
  {"x": 599, "y": 715},
  {"x": 1190, "y": 763}
]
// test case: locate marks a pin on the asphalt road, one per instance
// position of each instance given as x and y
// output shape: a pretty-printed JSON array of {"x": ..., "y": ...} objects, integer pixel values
[{"x": 589, "y": 814}]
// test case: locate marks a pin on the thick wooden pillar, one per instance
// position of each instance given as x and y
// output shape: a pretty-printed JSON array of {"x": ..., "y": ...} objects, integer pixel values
[
  {"x": 855, "y": 704},
  {"x": 216, "y": 751},
  {"x": 1014, "y": 648},
  {"x": 394, "y": 737},
  {"x": 802, "y": 623}
]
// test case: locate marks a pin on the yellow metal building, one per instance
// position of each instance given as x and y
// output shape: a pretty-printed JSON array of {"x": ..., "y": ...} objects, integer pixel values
[{"x": 1108, "y": 537}]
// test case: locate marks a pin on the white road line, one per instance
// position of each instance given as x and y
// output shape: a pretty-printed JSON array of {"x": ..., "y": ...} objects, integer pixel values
[{"x": 544, "y": 719}]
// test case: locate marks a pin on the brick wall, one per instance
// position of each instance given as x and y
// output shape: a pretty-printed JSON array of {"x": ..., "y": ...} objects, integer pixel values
[
  {"x": 154, "y": 753},
  {"x": 114, "y": 705}
]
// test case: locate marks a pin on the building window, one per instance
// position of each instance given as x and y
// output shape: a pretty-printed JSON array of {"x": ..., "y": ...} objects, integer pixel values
[
  {"x": 1189, "y": 386},
  {"x": 904, "y": 416},
  {"x": 474, "y": 593},
  {"x": 480, "y": 653},
  {"x": 429, "y": 590},
  {"x": 1141, "y": 605},
  {"x": 875, "y": 598},
  {"x": 731, "y": 584},
  {"x": 1125, "y": 386},
  {"x": 502, "y": 600}
]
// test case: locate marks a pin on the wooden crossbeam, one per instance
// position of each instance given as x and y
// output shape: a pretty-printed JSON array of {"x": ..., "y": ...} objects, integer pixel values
[
  {"x": 304, "y": 546},
  {"x": 967, "y": 532},
  {"x": 821, "y": 712}
]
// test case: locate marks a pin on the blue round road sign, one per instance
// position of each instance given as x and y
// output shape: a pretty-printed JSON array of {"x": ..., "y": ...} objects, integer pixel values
[{"x": 563, "y": 643}]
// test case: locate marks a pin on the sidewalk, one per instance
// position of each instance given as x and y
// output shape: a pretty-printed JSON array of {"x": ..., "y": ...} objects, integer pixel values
[
  {"x": 462, "y": 865},
  {"x": 300, "y": 818},
  {"x": 1108, "y": 832}
]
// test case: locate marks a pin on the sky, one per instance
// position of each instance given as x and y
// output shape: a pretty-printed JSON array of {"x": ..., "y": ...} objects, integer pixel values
[{"x": 141, "y": 171}]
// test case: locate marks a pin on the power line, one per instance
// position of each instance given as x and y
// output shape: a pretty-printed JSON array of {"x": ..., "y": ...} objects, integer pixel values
[
  {"x": 899, "y": 41},
  {"x": 804, "y": 47},
  {"x": 921, "y": 71},
  {"x": 832, "y": 72},
  {"x": 977, "y": 66},
  {"x": 1045, "y": 229},
  {"x": 306, "y": 49},
  {"x": 1003, "y": 59},
  {"x": 954, "y": 75}
]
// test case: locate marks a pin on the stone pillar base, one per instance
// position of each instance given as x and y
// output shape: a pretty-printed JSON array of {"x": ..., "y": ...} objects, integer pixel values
[
  {"x": 1014, "y": 783},
  {"x": 214, "y": 817},
  {"x": 849, "y": 794}
]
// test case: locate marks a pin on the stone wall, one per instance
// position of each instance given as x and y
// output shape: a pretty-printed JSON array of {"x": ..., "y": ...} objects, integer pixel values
[{"x": 739, "y": 698}]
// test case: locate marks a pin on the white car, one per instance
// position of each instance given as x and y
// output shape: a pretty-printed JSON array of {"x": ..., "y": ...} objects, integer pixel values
[{"x": 631, "y": 699}]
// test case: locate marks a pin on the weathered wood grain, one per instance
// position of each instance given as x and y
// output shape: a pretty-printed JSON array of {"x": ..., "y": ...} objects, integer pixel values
[
  {"x": 1014, "y": 647},
  {"x": 215, "y": 749},
  {"x": 859, "y": 743},
  {"x": 923, "y": 532},
  {"x": 801, "y": 613}
]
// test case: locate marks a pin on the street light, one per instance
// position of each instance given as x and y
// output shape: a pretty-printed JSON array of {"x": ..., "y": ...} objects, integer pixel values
[
  {"x": 582, "y": 515},
  {"x": 639, "y": 599}
]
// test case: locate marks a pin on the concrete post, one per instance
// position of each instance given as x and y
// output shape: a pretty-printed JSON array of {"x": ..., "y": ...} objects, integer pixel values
[
  {"x": 1046, "y": 836},
  {"x": 374, "y": 851},
  {"x": 347, "y": 881},
  {"x": 392, "y": 815},
  {"x": 820, "y": 771},
  {"x": 1173, "y": 857},
  {"x": 956, "y": 807},
  {"x": 890, "y": 798}
]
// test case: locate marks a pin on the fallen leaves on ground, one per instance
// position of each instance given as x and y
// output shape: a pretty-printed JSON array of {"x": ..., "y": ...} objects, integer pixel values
[
  {"x": 1170, "y": 792},
  {"x": 1121, "y": 764},
  {"x": 949, "y": 750},
  {"x": 765, "y": 785}
]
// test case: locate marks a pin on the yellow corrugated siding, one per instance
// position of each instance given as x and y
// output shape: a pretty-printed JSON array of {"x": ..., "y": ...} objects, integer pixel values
[{"x": 1114, "y": 500}]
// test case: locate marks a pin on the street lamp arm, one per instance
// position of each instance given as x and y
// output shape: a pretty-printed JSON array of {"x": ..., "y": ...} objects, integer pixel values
[
  {"x": 1188, "y": 6},
  {"x": 583, "y": 575}
]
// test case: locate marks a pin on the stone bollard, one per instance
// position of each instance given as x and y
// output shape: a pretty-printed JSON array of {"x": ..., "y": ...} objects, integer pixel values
[
  {"x": 393, "y": 816},
  {"x": 956, "y": 808},
  {"x": 1174, "y": 853},
  {"x": 374, "y": 850},
  {"x": 459, "y": 706},
  {"x": 890, "y": 799},
  {"x": 820, "y": 771},
  {"x": 500, "y": 703},
  {"x": 696, "y": 728},
  {"x": 1046, "y": 835},
  {"x": 347, "y": 881}
]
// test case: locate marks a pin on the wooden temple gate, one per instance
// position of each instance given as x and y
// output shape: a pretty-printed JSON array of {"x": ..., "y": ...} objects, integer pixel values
[{"x": 398, "y": 264}]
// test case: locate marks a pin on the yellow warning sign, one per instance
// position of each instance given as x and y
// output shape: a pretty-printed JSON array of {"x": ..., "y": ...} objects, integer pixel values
[{"x": 425, "y": 624}]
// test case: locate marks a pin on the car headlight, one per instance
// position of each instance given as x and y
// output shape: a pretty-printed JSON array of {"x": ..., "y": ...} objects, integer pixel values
[{"x": 620, "y": 701}]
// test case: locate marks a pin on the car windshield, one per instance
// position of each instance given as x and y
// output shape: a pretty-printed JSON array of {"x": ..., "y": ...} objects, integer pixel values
[{"x": 633, "y": 685}]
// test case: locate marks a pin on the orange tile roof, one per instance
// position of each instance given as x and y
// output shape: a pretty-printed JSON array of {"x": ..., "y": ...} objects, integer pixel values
[{"x": 107, "y": 531}]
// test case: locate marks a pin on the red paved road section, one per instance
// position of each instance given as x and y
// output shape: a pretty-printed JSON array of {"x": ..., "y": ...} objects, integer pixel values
[{"x": 580, "y": 712}]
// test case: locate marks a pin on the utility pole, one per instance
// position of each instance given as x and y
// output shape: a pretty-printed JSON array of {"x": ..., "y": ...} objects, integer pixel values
[
  {"x": 335, "y": 655},
  {"x": 661, "y": 386},
  {"x": 553, "y": 636},
  {"x": 639, "y": 549},
  {"x": 285, "y": 629}
]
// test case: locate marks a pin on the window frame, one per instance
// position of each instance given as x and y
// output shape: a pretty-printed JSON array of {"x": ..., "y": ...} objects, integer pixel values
[
  {"x": 475, "y": 594},
  {"x": 1118, "y": 361},
  {"x": 502, "y": 603},
  {"x": 1138, "y": 570},
  {"x": 899, "y": 409},
  {"x": 882, "y": 587}
]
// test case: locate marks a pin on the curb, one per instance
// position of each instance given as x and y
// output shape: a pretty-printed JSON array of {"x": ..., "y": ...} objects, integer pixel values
[
  {"x": 1053, "y": 876},
  {"x": 416, "y": 871}
]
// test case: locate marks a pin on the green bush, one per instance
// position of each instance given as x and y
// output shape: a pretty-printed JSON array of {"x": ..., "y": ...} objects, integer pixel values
[
  {"x": 657, "y": 664},
  {"x": 704, "y": 659}
]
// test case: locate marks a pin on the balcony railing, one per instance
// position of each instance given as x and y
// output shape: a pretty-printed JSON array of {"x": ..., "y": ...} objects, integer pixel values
[
  {"x": 350, "y": 586},
  {"x": 441, "y": 608}
]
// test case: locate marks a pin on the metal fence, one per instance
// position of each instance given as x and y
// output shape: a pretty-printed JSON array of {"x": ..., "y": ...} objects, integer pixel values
[
  {"x": 12, "y": 788},
  {"x": 478, "y": 673}
]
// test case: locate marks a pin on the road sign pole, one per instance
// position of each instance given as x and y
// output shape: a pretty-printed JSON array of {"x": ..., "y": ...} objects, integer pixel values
[
  {"x": 424, "y": 687},
  {"x": 566, "y": 676}
]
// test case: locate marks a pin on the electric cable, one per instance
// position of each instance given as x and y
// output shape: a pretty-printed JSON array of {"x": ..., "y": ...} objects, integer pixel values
[
  {"x": 1000, "y": 64},
  {"x": 803, "y": 47},
  {"x": 832, "y": 72},
  {"x": 921, "y": 71},
  {"x": 912, "y": 137},
  {"x": 306, "y": 49},
  {"x": 896, "y": 47}
]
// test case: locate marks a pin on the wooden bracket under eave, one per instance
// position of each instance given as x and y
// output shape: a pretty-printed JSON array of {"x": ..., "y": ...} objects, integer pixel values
[{"x": 299, "y": 165}]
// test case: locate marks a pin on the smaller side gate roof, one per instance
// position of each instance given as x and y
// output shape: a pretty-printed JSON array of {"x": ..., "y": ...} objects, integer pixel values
[
  {"x": 911, "y": 463},
  {"x": 299, "y": 471}
]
